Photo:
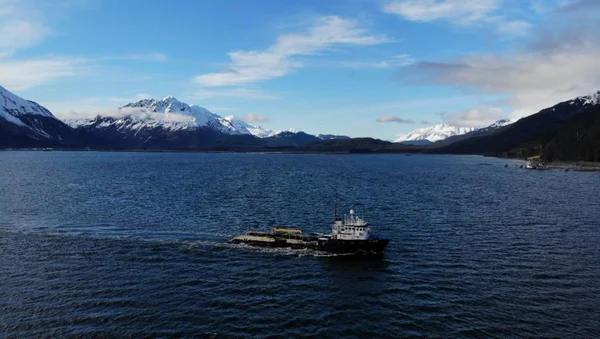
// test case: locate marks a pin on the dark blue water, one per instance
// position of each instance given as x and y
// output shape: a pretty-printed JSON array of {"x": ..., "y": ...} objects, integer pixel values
[{"x": 134, "y": 244}]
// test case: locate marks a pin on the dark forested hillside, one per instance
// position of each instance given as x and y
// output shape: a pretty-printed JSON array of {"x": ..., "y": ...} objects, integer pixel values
[
  {"x": 577, "y": 140},
  {"x": 567, "y": 131}
]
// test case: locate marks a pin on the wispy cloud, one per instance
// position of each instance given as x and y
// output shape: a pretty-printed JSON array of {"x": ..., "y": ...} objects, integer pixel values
[
  {"x": 394, "y": 118},
  {"x": 78, "y": 108},
  {"x": 281, "y": 58},
  {"x": 401, "y": 60},
  {"x": 20, "y": 74},
  {"x": 23, "y": 74},
  {"x": 249, "y": 93},
  {"x": 561, "y": 64},
  {"x": 255, "y": 118},
  {"x": 21, "y": 26},
  {"x": 459, "y": 12},
  {"x": 475, "y": 117}
]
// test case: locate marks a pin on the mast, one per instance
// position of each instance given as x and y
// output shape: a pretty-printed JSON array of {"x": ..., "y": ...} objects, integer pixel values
[{"x": 335, "y": 208}]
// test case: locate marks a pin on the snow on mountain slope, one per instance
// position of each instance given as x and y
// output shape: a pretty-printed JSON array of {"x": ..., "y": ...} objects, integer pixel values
[
  {"x": 499, "y": 123},
  {"x": 24, "y": 123},
  {"x": 237, "y": 126},
  {"x": 17, "y": 106},
  {"x": 12, "y": 107},
  {"x": 592, "y": 99},
  {"x": 172, "y": 115},
  {"x": 434, "y": 133}
]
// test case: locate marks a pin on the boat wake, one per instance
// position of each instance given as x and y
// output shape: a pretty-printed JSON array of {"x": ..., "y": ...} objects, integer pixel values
[{"x": 287, "y": 251}]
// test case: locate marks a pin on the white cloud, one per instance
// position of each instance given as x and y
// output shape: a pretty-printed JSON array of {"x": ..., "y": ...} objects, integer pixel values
[
  {"x": 559, "y": 63},
  {"x": 23, "y": 74},
  {"x": 80, "y": 108},
  {"x": 476, "y": 117},
  {"x": 141, "y": 113},
  {"x": 515, "y": 27},
  {"x": 280, "y": 58},
  {"x": 86, "y": 108},
  {"x": 394, "y": 118},
  {"x": 19, "y": 34},
  {"x": 250, "y": 93},
  {"x": 530, "y": 80},
  {"x": 459, "y": 11},
  {"x": 21, "y": 26},
  {"x": 254, "y": 118}
]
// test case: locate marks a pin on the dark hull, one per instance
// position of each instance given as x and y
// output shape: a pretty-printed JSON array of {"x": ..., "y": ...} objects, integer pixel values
[
  {"x": 353, "y": 246},
  {"x": 372, "y": 246}
]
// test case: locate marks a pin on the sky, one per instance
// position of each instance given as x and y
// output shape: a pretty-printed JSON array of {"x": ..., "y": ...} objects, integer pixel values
[{"x": 377, "y": 68}]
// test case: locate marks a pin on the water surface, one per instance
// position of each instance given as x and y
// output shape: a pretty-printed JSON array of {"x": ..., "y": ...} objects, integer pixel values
[{"x": 134, "y": 244}]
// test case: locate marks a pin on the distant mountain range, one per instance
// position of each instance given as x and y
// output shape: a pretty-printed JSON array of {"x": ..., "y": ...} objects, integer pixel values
[
  {"x": 444, "y": 133},
  {"x": 24, "y": 123},
  {"x": 429, "y": 135},
  {"x": 567, "y": 131},
  {"x": 145, "y": 124}
]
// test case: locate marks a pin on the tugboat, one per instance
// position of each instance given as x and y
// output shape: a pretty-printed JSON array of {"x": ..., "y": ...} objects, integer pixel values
[{"x": 350, "y": 234}]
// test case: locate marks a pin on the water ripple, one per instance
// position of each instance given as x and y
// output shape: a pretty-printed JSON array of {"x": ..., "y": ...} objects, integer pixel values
[{"x": 135, "y": 245}]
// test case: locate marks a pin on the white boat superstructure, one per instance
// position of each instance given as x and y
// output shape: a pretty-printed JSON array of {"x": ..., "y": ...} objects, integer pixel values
[
  {"x": 350, "y": 227},
  {"x": 350, "y": 234}
]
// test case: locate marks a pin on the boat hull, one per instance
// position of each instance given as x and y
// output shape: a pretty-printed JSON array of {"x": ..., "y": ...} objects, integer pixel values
[{"x": 370, "y": 246}]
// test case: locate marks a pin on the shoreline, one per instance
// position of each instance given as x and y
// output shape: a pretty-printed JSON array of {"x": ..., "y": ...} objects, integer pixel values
[{"x": 576, "y": 166}]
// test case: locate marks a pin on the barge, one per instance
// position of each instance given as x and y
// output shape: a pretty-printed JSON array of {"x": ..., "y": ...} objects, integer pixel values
[{"x": 349, "y": 234}]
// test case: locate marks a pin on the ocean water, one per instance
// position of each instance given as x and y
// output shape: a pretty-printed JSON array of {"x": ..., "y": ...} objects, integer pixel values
[{"x": 135, "y": 244}]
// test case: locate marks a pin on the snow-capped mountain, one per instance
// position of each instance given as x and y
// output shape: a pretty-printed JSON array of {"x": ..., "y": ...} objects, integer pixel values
[
  {"x": 499, "y": 124},
  {"x": 432, "y": 134},
  {"x": 476, "y": 132},
  {"x": 24, "y": 123},
  {"x": 170, "y": 114},
  {"x": 238, "y": 126},
  {"x": 170, "y": 123},
  {"x": 331, "y": 136},
  {"x": 592, "y": 99}
]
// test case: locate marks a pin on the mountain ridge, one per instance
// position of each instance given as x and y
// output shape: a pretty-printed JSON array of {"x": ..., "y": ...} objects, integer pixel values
[
  {"x": 431, "y": 134},
  {"x": 569, "y": 130},
  {"x": 543, "y": 133}
]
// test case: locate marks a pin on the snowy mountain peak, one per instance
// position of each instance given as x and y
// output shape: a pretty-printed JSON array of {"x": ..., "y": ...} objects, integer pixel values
[
  {"x": 17, "y": 106},
  {"x": 434, "y": 133},
  {"x": 500, "y": 123},
  {"x": 239, "y": 126},
  {"x": 172, "y": 110},
  {"x": 591, "y": 99},
  {"x": 172, "y": 114}
]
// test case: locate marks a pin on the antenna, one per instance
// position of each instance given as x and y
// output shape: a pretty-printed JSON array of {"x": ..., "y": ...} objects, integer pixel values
[{"x": 335, "y": 207}]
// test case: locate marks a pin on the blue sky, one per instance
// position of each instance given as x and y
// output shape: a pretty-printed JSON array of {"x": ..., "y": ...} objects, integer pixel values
[{"x": 377, "y": 68}]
